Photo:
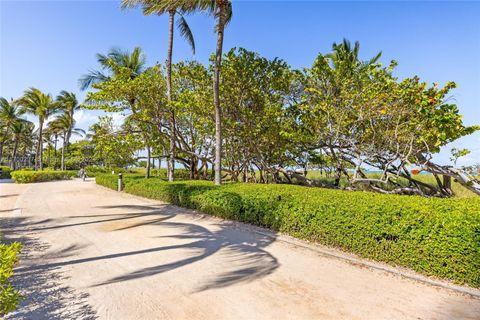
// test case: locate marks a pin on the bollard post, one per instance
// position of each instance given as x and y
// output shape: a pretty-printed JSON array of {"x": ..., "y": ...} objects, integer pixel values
[{"x": 120, "y": 182}]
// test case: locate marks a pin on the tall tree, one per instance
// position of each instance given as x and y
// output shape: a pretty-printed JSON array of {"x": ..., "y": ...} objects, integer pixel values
[
  {"x": 65, "y": 123},
  {"x": 22, "y": 131},
  {"x": 43, "y": 106},
  {"x": 111, "y": 64},
  {"x": 10, "y": 113},
  {"x": 172, "y": 8},
  {"x": 69, "y": 104},
  {"x": 222, "y": 11}
]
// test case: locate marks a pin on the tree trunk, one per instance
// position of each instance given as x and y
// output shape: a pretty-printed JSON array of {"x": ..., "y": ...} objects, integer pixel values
[
  {"x": 14, "y": 154},
  {"x": 55, "y": 153},
  {"x": 460, "y": 176},
  {"x": 39, "y": 151},
  {"x": 1, "y": 151},
  {"x": 67, "y": 140},
  {"x": 2, "y": 144},
  {"x": 62, "y": 164},
  {"x": 171, "y": 160},
  {"x": 147, "y": 173},
  {"x": 216, "y": 93}
]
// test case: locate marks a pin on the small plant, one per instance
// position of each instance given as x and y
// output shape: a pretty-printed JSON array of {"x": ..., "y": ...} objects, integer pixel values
[
  {"x": 5, "y": 172},
  {"x": 9, "y": 296}
]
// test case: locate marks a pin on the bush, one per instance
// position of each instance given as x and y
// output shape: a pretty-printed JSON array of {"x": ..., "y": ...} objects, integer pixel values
[
  {"x": 180, "y": 174},
  {"x": 94, "y": 171},
  {"x": 25, "y": 176},
  {"x": 9, "y": 296},
  {"x": 5, "y": 172},
  {"x": 439, "y": 237}
]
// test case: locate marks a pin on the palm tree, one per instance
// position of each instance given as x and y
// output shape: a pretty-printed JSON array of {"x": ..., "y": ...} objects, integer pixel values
[
  {"x": 65, "y": 123},
  {"x": 158, "y": 7},
  {"x": 344, "y": 54},
  {"x": 53, "y": 133},
  {"x": 41, "y": 105},
  {"x": 10, "y": 113},
  {"x": 69, "y": 103},
  {"x": 222, "y": 10},
  {"x": 22, "y": 132},
  {"x": 112, "y": 63}
]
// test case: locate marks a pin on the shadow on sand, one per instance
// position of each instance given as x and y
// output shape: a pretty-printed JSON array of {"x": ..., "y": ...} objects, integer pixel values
[
  {"x": 44, "y": 294},
  {"x": 243, "y": 249}
]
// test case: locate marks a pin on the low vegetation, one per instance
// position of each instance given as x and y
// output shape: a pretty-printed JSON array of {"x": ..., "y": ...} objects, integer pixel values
[
  {"x": 437, "y": 237},
  {"x": 9, "y": 296},
  {"x": 5, "y": 172},
  {"x": 28, "y": 176}
]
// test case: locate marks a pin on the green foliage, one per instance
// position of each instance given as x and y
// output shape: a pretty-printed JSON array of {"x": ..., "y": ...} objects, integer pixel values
[
  {"x": 5, "y": 172},
  {"x": 9, "y": 296},
  {"x": 112, "y": 148},
  {"x": 26, "y": 176},
  {"x": 438, "y": 237},
  {"x": 180, "y": 174},
  {"x": 458, "y": 153}
]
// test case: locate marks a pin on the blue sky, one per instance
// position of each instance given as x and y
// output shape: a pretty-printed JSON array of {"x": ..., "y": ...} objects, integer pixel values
[{"x": 50, "y": 44}]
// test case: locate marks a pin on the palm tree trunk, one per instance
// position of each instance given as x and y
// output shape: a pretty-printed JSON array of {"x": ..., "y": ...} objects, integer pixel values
[
  {"x": 67, "y": 139},
  {"x": 2, "y": 144},
  {"x": 55, "y": 152},
  {"x": 62, "y": 165},
  {"x": 171, "y": 160},
  {"x": 14, "y": 154},
  {"x": 216, "y": 94},
  {"x": 147, "y": 173},
  {"x": 39, "y": 151},
  {"x": 1, "y": 151}
]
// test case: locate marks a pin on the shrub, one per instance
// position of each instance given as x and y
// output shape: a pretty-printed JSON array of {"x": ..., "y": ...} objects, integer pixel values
[
  {"x": 5, "y": 172},
  {"x": 439, "y": 237},
  {"x": 94, "y": 171},
  {"x": 25, "y": 176},
  {"x": 180, "y": 174},
  {"x": 9, "y": 296}
]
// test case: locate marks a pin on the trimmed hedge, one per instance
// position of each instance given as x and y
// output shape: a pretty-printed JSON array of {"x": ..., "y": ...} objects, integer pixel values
[
  {"x": 5, "y": 172},
  {"x": 438, "y": 237},
  {"x": 9, "y": 296},
  {"x": 26, "y": 176}
]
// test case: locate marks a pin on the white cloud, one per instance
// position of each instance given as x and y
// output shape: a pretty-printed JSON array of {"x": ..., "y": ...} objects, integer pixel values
[
  {"x": 117, "y": 117},
  {"x": 84, "y": 118}
]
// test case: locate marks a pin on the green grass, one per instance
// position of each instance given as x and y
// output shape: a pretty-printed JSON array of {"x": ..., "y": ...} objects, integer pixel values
[
  {"x": 437, "y": 237},
  {"x": 459, "y": 190}
]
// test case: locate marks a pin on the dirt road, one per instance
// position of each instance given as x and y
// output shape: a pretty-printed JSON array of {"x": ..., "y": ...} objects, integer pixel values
[{"x": 93, "y": 253}]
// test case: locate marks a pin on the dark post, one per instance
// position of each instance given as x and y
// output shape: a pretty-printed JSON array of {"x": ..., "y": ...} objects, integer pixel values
[{"x": 120, "y": 182}]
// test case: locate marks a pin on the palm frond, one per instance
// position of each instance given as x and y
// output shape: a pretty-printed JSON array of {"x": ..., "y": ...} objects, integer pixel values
[
  {"x": 92, "y": 77},
  {"x": 186, "y": 32}
]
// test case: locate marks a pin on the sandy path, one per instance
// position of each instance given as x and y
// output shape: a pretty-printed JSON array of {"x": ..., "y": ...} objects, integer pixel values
[{"x": 94, "y": 253}]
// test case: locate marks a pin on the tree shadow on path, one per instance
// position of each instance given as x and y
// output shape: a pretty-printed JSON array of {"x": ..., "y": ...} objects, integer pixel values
[
  {"x": 242, "y": 249},
  {"x": 45, "y": 296}
]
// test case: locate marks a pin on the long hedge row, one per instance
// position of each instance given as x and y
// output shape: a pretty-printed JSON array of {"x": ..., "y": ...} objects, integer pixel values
[
  {"x": 28, "y": 176},
  {"x": 438, "y": 237}
]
